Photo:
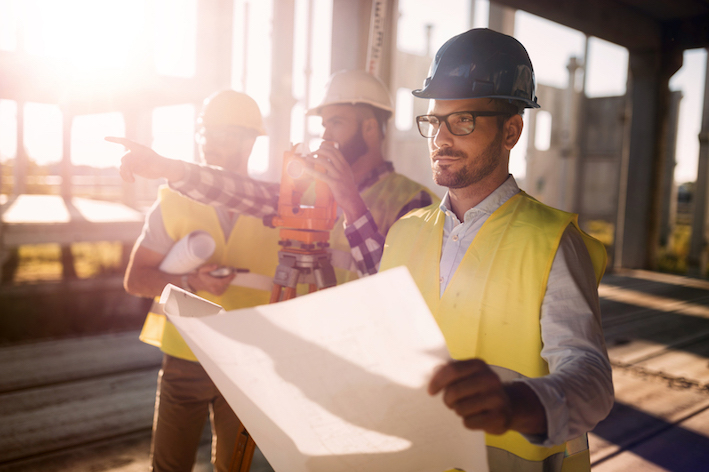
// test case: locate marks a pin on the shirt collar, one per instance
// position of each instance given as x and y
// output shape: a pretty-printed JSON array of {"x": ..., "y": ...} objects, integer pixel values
[
  {"x": 374, "y": 175},
  {"x": 492, "y": 202}
]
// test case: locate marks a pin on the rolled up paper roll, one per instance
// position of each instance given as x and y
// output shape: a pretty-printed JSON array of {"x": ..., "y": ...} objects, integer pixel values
[{"x": 188, "y": 253}]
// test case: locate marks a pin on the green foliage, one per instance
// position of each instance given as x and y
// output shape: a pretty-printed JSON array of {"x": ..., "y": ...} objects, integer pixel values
[{"x": 673, "y": 257}]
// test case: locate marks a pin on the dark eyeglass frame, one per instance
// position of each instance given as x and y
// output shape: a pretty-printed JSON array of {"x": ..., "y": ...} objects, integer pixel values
[{"x": 444, "y": 119}]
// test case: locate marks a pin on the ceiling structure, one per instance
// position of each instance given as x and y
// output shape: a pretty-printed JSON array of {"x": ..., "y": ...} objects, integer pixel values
[{"x": 635, "y": 24}]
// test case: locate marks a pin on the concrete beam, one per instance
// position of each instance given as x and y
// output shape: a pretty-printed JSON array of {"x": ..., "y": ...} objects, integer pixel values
[{"x": 605, "y": 19}]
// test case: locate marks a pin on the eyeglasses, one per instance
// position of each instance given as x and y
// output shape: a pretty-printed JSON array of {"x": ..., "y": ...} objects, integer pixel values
[{"x": 460, "y": 123}]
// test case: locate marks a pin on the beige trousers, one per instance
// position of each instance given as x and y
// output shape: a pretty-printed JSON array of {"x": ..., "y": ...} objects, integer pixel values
[{"x": 185, "y": 397}]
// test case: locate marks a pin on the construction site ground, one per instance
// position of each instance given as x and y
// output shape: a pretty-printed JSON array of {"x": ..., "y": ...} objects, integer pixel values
[{"x": 86, "y": 404}]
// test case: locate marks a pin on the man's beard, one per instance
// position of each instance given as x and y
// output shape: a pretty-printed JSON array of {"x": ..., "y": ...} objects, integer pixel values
[
  {"x": 355, "y": 147},
  {"x": 473, "y": 172}
]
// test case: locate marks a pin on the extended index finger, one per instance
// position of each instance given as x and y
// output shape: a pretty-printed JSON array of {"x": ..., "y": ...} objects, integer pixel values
[
  {"x": 123, "y": 141},
  {"x": 452, "y": 372}
]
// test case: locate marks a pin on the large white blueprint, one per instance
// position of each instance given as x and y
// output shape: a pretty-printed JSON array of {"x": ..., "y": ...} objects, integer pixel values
[{"x": 335, "y": 380}]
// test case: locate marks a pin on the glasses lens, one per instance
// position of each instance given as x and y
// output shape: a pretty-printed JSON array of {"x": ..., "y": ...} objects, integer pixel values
[
  {"x": 461, "y": 123},
  {"x": 428, "y": 125}
]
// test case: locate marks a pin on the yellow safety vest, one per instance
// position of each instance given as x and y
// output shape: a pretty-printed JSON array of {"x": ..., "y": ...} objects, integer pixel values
[
  {"x": 491, "y": 307},
  {"x": 251, "y": 245},
  {"x": 385, "y": 199}
]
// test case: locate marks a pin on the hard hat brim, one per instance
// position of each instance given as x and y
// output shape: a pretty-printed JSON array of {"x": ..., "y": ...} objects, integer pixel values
[{"x": 317, "y": 111}]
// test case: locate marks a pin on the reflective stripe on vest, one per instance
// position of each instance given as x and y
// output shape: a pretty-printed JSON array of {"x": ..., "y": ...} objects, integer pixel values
[
  {"x": 491, "y": 307},
  {"x": 181, "y": 216}
]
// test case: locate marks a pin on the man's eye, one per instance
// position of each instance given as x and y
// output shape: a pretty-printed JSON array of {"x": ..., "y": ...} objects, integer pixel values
[{"x": 465, "y": 118}]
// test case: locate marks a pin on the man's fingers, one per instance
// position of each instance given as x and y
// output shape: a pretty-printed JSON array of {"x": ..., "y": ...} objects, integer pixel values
[
  {"x": 318, "y": 175},
  {"x": 452, "y": 372},
  {"x": 311, "y": 161},
  {"x": 492, "y": 422},
  {"x": 126, "y": 174},
  {"x": 333, "y": 155},
  {"x": 129, "y": 144}
]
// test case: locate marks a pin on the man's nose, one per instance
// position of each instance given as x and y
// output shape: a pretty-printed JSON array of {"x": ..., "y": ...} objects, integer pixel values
[
  {"x": 326, "y": 135},
  {"x": 443, "y": 136}
]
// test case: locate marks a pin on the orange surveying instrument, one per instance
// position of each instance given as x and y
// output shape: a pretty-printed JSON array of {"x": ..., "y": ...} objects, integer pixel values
[{"x": 303, "y": 257}]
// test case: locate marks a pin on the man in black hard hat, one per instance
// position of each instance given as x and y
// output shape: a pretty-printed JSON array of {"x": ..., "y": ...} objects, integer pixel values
[{"x": 511, "y": 282}]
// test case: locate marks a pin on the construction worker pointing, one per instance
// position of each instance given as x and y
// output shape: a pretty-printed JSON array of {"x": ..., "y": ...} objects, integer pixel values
[
  {"x": 227, "y": 128},
  {"x": 372, "y": 196}
]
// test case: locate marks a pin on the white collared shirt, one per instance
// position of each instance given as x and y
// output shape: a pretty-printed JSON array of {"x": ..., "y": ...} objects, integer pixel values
[{"x": 578, "y": 392}]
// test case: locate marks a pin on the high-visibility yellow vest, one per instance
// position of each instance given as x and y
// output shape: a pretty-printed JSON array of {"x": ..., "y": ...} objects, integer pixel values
[
  {"x": 385, "y": 199},
  {"x": 491, "y": 308},
  {"x": 250, "y": 245}
]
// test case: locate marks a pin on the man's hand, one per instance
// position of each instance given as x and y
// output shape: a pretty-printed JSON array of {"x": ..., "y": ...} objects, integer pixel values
[
  {"x": 477, "y": 395},
  {"x": 337, "y": 174},
  {"x": 143, "y": 161},
  {"x": 201, "y": 280}
]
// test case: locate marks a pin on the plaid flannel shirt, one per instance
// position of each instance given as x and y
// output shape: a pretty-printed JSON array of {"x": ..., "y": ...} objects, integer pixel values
[{"x": 220, "y": 188}]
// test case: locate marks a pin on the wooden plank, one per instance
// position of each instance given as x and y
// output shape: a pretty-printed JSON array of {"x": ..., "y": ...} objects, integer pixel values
[
  {"x": 45, "y": 363},
  {"x": 46, "y": 419}
]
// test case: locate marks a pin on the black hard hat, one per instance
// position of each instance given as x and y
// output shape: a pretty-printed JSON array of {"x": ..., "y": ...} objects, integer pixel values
[{"x": 481, "y": 63}]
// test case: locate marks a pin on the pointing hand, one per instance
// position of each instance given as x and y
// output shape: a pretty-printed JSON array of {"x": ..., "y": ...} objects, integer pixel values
[{"x": 143, "y": 161}]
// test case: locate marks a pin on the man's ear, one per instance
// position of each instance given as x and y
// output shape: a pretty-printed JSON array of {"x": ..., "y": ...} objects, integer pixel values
[
  {"x": 370, "y": 128},
  {"x": 512, "y": 130}
]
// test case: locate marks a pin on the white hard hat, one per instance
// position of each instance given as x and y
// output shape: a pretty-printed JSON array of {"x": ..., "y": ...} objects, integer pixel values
[{"x": 353, "y": 87}]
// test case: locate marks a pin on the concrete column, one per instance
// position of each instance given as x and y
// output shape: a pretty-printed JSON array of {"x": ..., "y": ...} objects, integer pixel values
[
  {"x": 282, "y": 100},
  {"x": 139, "y": 128},
  {"x": 471, "y": 16},
  {"x": 20, "y": 171},
  {"x": 502, "y": 18},
  {"x": 668, "y": 211},
  {"x": 697, "y": 261},
  {"x": 578, "y": 145},
  {"x": 66, "y": 167},
  {"x": 637, "y": 230},
  {"x": 215, "y": 24},
  {"x": 350, "y": 32}
]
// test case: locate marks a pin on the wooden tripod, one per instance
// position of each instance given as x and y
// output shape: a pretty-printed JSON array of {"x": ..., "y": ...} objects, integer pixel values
[{"x": 302, "y": 259}]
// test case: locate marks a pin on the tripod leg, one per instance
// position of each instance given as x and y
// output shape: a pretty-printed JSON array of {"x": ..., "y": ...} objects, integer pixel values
[
  {"x": 288, "y": 293},
  {"x": 243, "y": 452},
  {"x": 276, "y": 293}
]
